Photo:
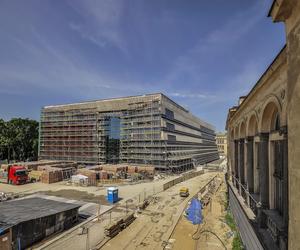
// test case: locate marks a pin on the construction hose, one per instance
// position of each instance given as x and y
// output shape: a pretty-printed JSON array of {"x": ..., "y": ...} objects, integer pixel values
[{"x": 207, "y": 231}]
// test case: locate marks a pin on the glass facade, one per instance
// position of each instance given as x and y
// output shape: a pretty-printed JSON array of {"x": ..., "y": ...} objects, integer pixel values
[{"x": 113, "y": 140}]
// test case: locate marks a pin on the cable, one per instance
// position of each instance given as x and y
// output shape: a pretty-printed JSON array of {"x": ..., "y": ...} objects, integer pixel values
[{"x": 208, "y": 231}]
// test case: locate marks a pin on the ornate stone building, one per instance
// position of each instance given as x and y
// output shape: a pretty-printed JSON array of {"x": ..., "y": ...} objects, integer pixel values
[
  {"x": 264, "y": 146},
  {"x": 221, "y": 140}
]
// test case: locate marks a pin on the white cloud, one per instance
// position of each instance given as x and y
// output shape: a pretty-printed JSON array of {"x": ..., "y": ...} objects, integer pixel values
[
  {"x": 88, "y": 36},
  {"x": 185, "y": 95},
  {"x": 45, "y": 66},
  {"x": 101, "y": 21}
]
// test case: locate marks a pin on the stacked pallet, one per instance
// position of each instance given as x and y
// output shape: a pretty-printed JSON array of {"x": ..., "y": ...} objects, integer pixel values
[
  {"x": 95, "y": 167},
  {"x": 65, "y": 165},
  {"x": 114, "y": 168},
  {"x": 47, "y": 168},
  {"x": 103, "y": 175},
  {"x": 51, "y": 176},
  {"x": 131, "y": 169},
  {"x": 146, "y": 171}
]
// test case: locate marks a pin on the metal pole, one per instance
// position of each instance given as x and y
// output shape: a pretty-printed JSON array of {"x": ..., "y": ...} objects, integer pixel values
[
  {"x": 87, "y": 239},
  {"x": 99, "y": 212}
]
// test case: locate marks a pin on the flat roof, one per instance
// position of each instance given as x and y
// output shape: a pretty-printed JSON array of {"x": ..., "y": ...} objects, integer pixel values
[
  {"x": 21, "y": 210},
  {"x": 102, "y": 100}
]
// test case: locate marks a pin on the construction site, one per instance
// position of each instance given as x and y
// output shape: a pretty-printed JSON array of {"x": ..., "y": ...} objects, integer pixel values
[
  {"x": 109, "y": 171},
  {"x": 145, "y": 214},
  {"x": 149, "y": 129}
]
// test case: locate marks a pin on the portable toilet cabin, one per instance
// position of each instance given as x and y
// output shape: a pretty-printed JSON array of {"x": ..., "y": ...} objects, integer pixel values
[{"x": 112, "y": 194}]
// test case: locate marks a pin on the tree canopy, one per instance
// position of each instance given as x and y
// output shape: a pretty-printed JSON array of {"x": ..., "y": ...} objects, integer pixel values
[{"x": 19, "y": 139}]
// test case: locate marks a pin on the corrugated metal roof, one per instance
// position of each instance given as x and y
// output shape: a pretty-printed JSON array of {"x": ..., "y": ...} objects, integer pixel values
[{"x": 17, "y": 211}]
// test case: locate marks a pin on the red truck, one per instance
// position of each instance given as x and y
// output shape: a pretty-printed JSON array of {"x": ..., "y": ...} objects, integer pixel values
[{"x": 14, "y": 175}]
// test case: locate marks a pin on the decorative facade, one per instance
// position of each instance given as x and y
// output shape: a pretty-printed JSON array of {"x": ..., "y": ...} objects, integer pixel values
[
  {"x": 221, "y": 140},
  {"x": 264, "y": 146}
]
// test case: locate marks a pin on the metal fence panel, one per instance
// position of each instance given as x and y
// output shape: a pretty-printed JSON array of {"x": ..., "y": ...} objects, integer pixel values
[{"x": 247, "y": 233}]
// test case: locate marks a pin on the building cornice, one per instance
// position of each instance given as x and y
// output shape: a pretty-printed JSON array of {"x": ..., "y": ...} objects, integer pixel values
[
  {"x": 276, "y": 63},
  {"x": 280, "y": 10}
]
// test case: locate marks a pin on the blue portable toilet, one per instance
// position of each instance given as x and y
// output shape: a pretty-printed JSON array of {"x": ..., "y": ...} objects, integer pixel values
[{"x": 112, "y": 194}]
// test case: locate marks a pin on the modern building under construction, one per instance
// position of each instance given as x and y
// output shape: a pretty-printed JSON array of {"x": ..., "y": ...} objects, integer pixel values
[{"x": 147, "y": 129}]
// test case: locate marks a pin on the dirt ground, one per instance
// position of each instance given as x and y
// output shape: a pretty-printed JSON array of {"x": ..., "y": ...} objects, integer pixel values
[
  {"x": 152, "y": 228},
  {"x": 78, "y": 195},
  {"x": 189, "y": 236},
  {"x": 126, "y": 191}
]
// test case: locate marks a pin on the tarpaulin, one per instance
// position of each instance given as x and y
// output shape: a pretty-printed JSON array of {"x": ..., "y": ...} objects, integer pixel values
[{"x": 194, "y": 212}]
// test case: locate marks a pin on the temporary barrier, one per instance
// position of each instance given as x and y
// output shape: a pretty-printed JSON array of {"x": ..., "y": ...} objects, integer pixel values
[{"x": 185, "y": 177}]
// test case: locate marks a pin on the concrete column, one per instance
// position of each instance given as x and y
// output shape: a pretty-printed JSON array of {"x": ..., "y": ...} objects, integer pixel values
[
  {"x": 242, "y": 161},
  {"x": 238, "y": 164},
  {"x": 285, "y": 184},
  {"x": 263, "y": 164},
  {"x": 250, "y": 164},
  {"x": 241, "y": 165},
  {"x": 236, "y": 160}
]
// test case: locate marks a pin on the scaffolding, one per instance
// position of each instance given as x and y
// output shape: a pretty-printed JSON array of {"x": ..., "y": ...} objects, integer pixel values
[
  {"x": 141, "y": 140},
  {"x": 69, "y": 135},
  {"x": 84, "y": 133}
]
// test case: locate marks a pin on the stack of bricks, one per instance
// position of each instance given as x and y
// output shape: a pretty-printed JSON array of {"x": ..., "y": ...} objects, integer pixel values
[
  {"x": 114, "y": 168},
  {"x": 51, "y": 176},
  {"x": 95, "y": 167},
  {"x": 103, "y": 175},
  {"x": 131, "y": 169},
  {"x": 146, "y": 170}
]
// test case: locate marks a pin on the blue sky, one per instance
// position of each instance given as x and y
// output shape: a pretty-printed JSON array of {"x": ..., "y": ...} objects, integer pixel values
[{"x": 202, "y": 54}]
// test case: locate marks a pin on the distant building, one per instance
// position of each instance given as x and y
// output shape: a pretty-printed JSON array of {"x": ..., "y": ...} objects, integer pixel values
[
  {"x": 221, "y": 140},
  {"x": 147, "y": 129},
  {"x": 26, "y": 221},
  {"x": 264, "y": 147}
]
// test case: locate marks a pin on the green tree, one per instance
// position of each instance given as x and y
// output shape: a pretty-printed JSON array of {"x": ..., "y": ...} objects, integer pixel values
[
  {"x": 19, "y": 139},
  {"x": 3, "y": 143}
]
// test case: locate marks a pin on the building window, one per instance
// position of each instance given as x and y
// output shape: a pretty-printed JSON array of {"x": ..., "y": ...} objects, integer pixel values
[
  {"x": 113, "y": 139},
  {"x": 170, "y": 126},
  {"x": 278, "y": 175},
  {"x": 171, "y": 138},
  {"x": 169, "y": 114}
]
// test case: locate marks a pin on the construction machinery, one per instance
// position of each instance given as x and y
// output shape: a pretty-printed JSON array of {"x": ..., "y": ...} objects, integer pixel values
[
  {"x": 14, "y": 175},
  {"x": 184, "y": 192}
]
